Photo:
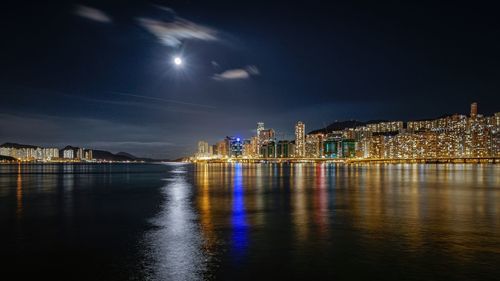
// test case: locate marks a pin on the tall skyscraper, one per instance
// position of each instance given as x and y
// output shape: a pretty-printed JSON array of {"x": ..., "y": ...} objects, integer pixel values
[
  {"x": 68, "y": 153},
  {"x": 314, "y": 145},
  {"x": 300, "y": 139},
  {"x": 473, "y": 110},
  {"x": 223, "y": 148},
  {"x": 266, "y": 136},
  {"x": 260, "y": 128}
]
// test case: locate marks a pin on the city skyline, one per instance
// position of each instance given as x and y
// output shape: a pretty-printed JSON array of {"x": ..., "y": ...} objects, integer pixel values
[
  {"x": 295, "y": 145},
  {"x": 105, "y": 74},
  {"x": 450, "y": 137}
]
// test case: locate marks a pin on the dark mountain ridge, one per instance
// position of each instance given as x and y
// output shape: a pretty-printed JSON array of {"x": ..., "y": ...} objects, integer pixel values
[
  {"x": 341, "y": 125},
  {"x": 18, "y": 145}
]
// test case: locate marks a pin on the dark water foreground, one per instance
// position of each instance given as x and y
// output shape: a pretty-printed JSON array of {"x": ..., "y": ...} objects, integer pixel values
[{"x": 250, "y": 222}]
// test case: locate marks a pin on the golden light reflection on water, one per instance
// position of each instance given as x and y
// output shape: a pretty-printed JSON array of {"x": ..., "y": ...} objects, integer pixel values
[
  {"x": 413, "y": 206},
  {"x": 320, "y": 201},
  {"x": 19, "y": 192},
  {"x": 205, "y": 207},
  {"x": 299, "y": 205}
]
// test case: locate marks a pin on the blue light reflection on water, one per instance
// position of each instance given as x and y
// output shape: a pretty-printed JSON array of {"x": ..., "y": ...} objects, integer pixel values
[{"x": 239, "y": 236}]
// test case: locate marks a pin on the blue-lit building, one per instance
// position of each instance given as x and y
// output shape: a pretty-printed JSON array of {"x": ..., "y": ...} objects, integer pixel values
[
  {"x": 332, "y": 145},
  {"x": 235, "y": 146},
  {"x": 339, "y": 148},
  {"x": 331, "y": 148},
  {"x": 348, "y": 148}
]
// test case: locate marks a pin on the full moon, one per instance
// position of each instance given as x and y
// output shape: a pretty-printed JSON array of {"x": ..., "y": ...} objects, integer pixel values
[{"x": 177, "y": 61}]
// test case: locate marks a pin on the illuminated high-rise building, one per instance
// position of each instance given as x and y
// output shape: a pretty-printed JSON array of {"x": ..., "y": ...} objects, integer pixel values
[
  {"x": 348, "y": 148},
  {"x": 285, "y": 149},
  {"x": 268, "y": 150},
  {"x": 50, "y": 153},
  {"x": 266, "y": 136},
  {"x": 88, "y": 154},
  {"x": 260, "y": 128},
  {"x": 473, "y": 110},
  {"x": 314, "y": 145},
  {"x": 247, "y": 149},
  {"x": 254, "y": 146},
  {"x": 68, "y": 153},
  {"x": 5, "y": 151},
  {"x": 300, "y": 139},
  {"x": 79, "y": 153},
  {"x": 202, "y": 149},
  {"x": 251, "y": 147},
  {"x": 235, "y": 146},
  {"x": 222, "y": 148}
]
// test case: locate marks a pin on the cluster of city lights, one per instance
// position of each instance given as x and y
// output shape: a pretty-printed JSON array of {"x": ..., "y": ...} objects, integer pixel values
[{"x": 451, "y": 137}]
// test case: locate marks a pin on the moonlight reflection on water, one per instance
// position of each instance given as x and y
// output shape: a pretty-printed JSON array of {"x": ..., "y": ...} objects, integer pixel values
[{"x": 174, "y": 245}]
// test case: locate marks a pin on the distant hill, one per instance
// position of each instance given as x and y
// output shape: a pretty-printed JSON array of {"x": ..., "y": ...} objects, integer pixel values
[
  {"x": 341, "y": 125},
  {"x": 17, "y": 145},
  {"x": 182, "y": 159},
  {"x": 70, "y": 147},
  {"x": 121, "y": 156},
  {"x": 128, "y": 155},
  {"x": 108, "y": 156},
  {"x": 7, "y": 158},
  {"x": 439, "y": 117},
  {"x": 125, "y": 154}
]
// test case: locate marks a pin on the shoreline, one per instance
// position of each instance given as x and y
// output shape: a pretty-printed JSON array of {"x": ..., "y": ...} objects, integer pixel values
[
  {"x": 284, "y": 161},
  {"x": 78, "y": 163},
  {"x": 472, "y": 160}
]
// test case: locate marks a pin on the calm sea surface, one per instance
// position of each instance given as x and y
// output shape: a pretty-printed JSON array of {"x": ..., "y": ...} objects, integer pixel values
[{"x": 250, "y": 222}]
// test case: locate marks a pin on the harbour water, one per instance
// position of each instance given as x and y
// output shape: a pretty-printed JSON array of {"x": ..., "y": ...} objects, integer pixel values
[{"x": 250, "y": 221}]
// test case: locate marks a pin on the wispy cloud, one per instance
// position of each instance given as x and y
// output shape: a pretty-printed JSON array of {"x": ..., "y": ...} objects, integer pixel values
[
  {"x": 239, "y": 73},
  {"x": 162, "y": 100},
  {"x": 172, "y": 33},
  {"x": 144, "y": 104},
  {"x": 92, "y": 14}
]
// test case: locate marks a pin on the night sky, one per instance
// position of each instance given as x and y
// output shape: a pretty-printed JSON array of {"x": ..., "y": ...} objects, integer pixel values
[{"x": 100, "y": 74}]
